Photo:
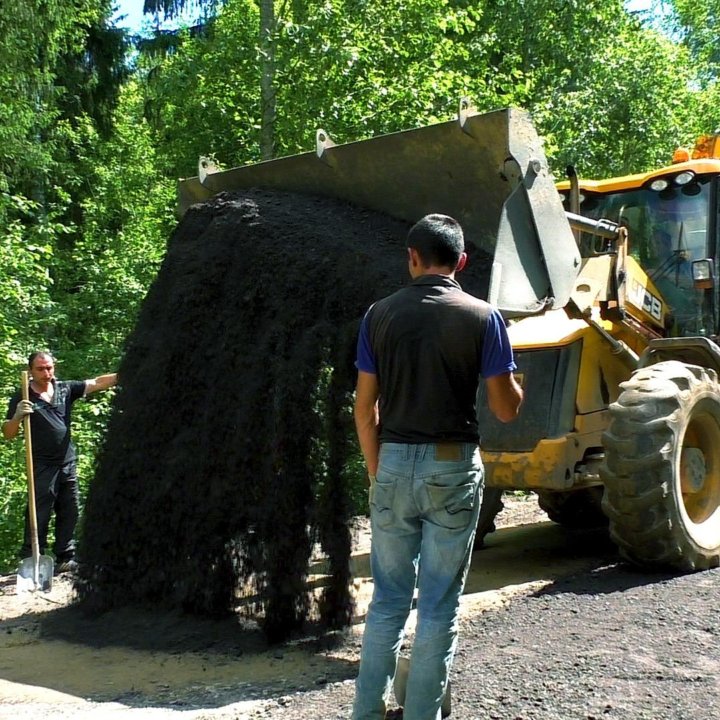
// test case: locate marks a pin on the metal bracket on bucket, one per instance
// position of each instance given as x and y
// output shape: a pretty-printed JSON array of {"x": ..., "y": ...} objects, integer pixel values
[
  {"x": 323, "y": 143},
  {"x": 465, "y": 110},
  {"x": 206, "y": 166}
]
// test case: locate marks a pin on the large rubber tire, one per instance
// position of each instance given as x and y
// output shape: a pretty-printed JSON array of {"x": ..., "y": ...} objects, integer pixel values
[
  {"x": 662, "y": 468},
  {"x": 575, "y": 509},
  {"x": 492, "y": 504}
]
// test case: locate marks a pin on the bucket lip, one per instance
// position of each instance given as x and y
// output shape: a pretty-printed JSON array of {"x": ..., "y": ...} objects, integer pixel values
[{"x": 487, "y": 170}]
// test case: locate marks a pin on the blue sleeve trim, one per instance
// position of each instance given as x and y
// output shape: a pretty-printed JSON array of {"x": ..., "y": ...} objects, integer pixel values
[
  {"x": 365, "y": 357},
  {"x": 497, "y": 354}
]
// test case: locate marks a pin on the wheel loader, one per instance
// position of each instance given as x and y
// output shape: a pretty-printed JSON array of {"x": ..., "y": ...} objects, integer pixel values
[
  {"x": 611, "y": 299},
  {"x": 622, "y": 413}
]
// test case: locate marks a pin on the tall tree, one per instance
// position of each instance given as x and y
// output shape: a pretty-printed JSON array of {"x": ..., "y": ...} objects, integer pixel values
[
  {"x": 698, "y": 25},
  {"x": 268, "y": 97}
]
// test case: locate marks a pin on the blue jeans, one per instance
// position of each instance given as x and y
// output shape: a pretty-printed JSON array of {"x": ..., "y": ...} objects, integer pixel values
[{"x": 424, "y": 509}]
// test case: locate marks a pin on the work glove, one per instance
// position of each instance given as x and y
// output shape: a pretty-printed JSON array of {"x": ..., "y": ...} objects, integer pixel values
[{"x": 24, "y": 407}]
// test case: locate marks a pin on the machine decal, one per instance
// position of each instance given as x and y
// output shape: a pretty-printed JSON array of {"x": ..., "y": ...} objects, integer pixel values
[{"x": 642, "y": 298}]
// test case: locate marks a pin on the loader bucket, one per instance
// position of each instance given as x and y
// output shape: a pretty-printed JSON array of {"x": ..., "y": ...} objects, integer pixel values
[{"x": 489, "y": 171}]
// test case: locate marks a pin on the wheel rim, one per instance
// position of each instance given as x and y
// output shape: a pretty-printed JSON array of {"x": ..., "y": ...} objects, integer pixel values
[{"x": 699, "y": 474}]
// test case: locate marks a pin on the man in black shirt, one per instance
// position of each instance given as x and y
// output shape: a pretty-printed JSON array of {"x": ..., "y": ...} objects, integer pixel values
[
  {"x": 54, "y": 458},
  {"x": 422, "y": 352}
]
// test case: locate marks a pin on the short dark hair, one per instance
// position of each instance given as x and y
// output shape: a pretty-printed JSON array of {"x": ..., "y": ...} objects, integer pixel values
[
  {"x": 438, "y": 240},
  {"x": 39, "y": 353}
]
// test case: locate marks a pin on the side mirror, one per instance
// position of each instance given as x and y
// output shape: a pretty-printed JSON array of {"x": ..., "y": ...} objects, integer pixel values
[{"x": 703, "y": 274}]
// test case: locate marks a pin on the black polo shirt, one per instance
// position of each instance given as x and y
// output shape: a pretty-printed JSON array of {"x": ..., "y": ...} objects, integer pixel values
[
  {"x": 427, "y": 341},
  {"x": 50, "y": 422}
]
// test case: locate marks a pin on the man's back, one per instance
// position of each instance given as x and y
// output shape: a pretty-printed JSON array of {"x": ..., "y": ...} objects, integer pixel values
[{"x": 427, "y": 340}]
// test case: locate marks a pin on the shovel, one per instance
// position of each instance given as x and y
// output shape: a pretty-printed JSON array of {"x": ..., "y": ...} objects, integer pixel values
[{"x": 36, "y": 572}]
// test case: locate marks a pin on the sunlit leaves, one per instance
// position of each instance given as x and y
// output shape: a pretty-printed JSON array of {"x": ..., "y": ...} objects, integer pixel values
[{"x": 608, "y": 93}]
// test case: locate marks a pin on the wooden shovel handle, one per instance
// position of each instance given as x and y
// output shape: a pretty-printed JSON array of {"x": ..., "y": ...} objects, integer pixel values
[{"x": 32, "y": 511}]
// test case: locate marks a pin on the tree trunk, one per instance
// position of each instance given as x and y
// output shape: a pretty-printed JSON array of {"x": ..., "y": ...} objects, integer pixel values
[{"x": 267, "y": 79}]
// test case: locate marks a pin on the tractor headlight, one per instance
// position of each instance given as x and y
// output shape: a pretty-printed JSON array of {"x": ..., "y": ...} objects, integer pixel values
[
  {"x": 684, "y": 178},
  {"x": 659, "y": 184},
  {"x": 703, "y": 273}
]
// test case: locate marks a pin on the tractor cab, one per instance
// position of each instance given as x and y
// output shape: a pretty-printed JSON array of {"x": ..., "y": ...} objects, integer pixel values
[{"x": 671, "y": 221}]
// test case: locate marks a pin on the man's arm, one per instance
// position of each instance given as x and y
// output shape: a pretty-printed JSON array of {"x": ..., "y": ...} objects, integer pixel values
[
  {"x": 504, "y": 396},
  {"x": 102, "y": 382},
  {"x": 11, "y": 426},
  {"x": 366, "y": 419}
]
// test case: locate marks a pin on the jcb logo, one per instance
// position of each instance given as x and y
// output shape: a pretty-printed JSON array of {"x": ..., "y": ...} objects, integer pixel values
[
  {"x": 652, "y": 305},
  {"x": 641, "y": 297}
]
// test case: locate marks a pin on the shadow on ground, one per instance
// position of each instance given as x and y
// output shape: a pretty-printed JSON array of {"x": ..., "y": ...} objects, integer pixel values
[
  {"x": 534, "y": 553},
  {"x": 614, "y": 578},
  {"x": 142, "y": 658}
]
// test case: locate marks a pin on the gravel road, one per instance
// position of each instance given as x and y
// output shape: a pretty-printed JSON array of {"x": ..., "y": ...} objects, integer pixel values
[
  {"x": 612, "y": 642},
  {"x": 554, "y": 627}
]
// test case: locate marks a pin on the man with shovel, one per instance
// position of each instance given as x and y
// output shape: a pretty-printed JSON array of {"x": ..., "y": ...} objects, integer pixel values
[{"x": 53, "y": 453}]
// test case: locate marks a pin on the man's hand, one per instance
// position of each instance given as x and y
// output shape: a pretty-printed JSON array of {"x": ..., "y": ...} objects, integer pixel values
[
  {"x": 504, "y": 396},
  {"x": 11, "y": 427},
  {"x": 24, "y": 407},
  {"x": 366, "y": 419}
]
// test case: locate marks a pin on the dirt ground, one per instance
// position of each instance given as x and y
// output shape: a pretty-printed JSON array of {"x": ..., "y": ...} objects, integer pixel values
[
  {"x": 57, "y": 663},
  {"x": 553, "y": 627}
]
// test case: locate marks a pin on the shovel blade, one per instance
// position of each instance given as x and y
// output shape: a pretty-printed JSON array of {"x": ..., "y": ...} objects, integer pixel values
[{"x": 32, "y": 577}]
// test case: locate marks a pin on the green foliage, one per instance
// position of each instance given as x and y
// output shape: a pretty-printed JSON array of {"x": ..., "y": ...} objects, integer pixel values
[
  {"x": 12, "y": 503},
  {"x": 199, "y": 100},
  {"x": 356, "y": 71},
  {"x": 641, "y": 122},
  {"x": 104, "y": 274},
  {"x": 697, "y": 25},
  {"x": 364, "y": 68},
  {"x": 89, "y": 156},
  {"x": 84, "y": 213},
  {"x": 610, "y": 95},
  {"x": 38, "y": 40},
  {"x": 90, "y": 77}
]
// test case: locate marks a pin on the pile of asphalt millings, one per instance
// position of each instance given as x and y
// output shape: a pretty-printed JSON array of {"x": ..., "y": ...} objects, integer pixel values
[{"x": 226, "y": 457}]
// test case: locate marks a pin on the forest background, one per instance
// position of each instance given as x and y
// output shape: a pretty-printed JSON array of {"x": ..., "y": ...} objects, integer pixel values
[{"x": 97, "y": 125}]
